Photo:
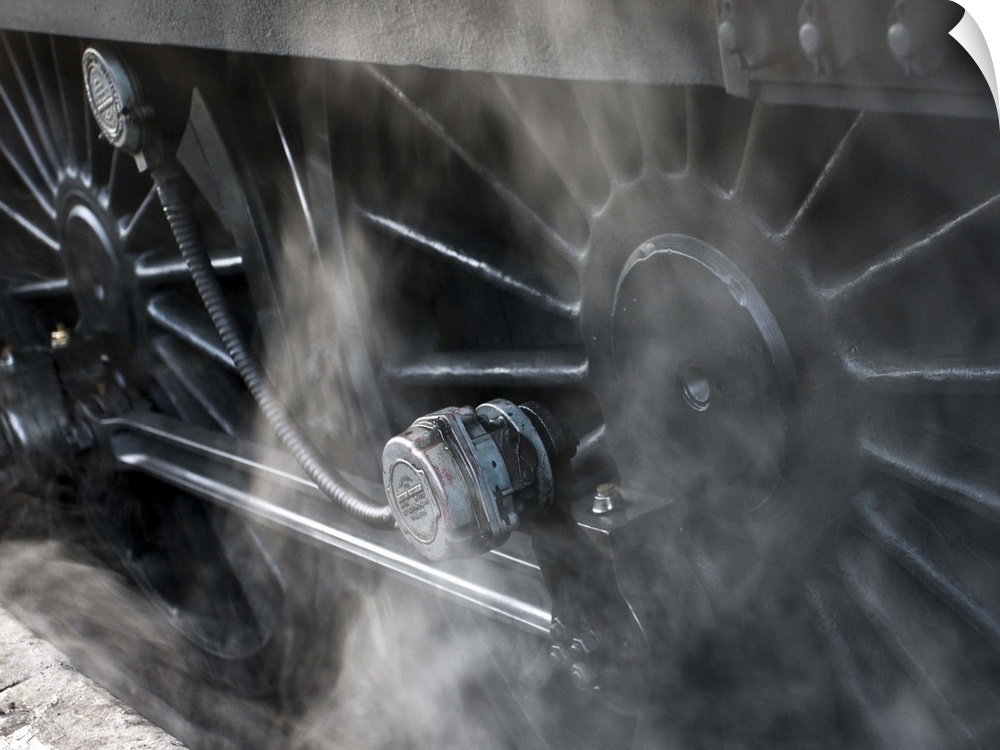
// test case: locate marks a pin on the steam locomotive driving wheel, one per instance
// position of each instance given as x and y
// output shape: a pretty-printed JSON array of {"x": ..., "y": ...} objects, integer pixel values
[
  {"x": 765, "y": 314},
  {"x": 773, "y": 329},
  {"x": 99, "y": 303}
]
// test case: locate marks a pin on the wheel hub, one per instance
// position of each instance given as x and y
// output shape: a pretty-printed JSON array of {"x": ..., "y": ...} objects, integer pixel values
[
  {"x": 707, "y": 370},
  {"x": 98, "y": 279}
]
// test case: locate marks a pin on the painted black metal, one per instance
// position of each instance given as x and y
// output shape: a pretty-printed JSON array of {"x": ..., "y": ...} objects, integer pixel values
[
  {"x": 921, "y": 546},
  {"x": 754, "y": 49},
  {"x": 947, "y": 465},
  {"x": 641, "y": 40},
  {"x": 216, "y": 393},
  {"x": 165, "y": 266},
  {"x": 490, "y": 265},
  {"x": 512, "y": 369},
  {"x": 961, "y": 688},
  {"x": 35, "y": 435},
  {"x": 883, "y": 285},
  {"x": 188, "y": 321}
]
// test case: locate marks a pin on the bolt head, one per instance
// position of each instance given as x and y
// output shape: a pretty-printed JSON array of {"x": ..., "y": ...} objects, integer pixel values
[
  {"x": 560, "y": 655},
  {"x": 900, "y": 39},
  {"x": 810, "y": 39},
  {"x": 583, "y": 676},
  {"x": 606, "y": 498},
  {"x": 557, "y": 630},
  {"x": 729, "y": 36},
  {"x": 585, "y": 643},
  {"x": 59, "y": 338}
]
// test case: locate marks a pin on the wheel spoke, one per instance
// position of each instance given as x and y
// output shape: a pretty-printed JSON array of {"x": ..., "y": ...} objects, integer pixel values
[
  {"x": 205, "y": 155},
  {"x": 957, "y": 686},
  {"x": 29, "y": 182},
  {"x": 717, "y": 128},
  {"x": 190, "y": 323},
  {"x": 749, "y": 148},
  {"x": 551, "y": 367},
  {"x": 559, "y": 244},
  {"x": 113, "y": 178},
  {"x": 609, "y": 117},
  {"x": 940, "y": 565},
  {"x": 44, "y": 79},
  {"x": 337, "y": 267},
  {"x": 44, "y": 135},
  {"x": 297, "y": 180},
  {"x": 41, "y": 289},
  {"x": 945, "y": 465},
  {"x": 29, "y": 226},
  {"x": 930, "y": 374},
  {"x": 166, "y": 266},
  {"x": 63, "y": 88},
  {"x": 511, "y": 277},
  {"x": 551, "y": 118},
  {"x": 219, "y": 396},
  {"x": 148, "y": 203},
  {"x": 180, "y": 400},
  {"x": 18, "y": 121},
  {"x": 695, "y": 134},
  {"x": 868, "y": 675},
  {"x": 874, "y": 274},
  {"x": 661, "y": 121},
  {"x": 837, "y": 158}
]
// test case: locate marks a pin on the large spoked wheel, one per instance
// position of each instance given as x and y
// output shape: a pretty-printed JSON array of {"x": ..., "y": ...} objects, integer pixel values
[
  {"x": 88, "y": 252},
  {"x": 778, "y": 323},
  {"x": 781, "y": 320}
]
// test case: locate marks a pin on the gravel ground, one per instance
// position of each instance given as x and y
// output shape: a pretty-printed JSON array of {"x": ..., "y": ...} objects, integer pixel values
[{"x": 45, "y": 704}]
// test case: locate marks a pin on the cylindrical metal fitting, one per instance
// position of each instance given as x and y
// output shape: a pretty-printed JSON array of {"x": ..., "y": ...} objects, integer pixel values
[
  {"x": 606, "y": 498},
  {"x": 461, "y": 479}
]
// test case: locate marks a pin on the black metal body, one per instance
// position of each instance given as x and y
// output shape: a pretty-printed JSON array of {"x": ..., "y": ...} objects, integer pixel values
[
  {"x": 677, "y": 42},
  {"x": 769, "y": 315}
]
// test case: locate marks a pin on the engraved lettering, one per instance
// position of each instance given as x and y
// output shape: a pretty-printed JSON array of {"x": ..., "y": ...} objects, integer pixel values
[{"x": 411, "y": 499}]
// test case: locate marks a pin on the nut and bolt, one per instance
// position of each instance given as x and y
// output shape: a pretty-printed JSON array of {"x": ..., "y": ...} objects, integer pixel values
[
  {"x": 575, "y": 658},
  {"x": 80, "y": 436},
  {"x": 729, "y": 36},
  {"x": 918, "y": 33},
  {"x": 560, "y": 655},
  {"x": 557, "y": 630},
  {"x": 583, "y": 676},
  {"x": 60, "y": 337},
  {"x": 607, "y": 498},
  {"x": 586, "y": 643},
  {"x": 811, "y": 39}
]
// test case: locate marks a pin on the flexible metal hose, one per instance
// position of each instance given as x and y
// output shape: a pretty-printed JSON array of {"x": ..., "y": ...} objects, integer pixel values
[{"x": 170, "y": 183}]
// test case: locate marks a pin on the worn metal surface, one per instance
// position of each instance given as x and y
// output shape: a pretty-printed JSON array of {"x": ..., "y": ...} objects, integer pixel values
[{"x": 641, "y": 40}]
